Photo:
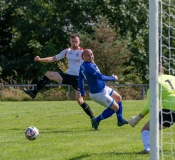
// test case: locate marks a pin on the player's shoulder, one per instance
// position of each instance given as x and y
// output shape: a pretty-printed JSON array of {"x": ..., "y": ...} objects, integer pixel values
[
  {"x": 164, "y": 76},
  {"x": 64, "y": 51},
  {"x": 87, "y": 64},
  {"x": 91, "y": 66},
  {"x": 81, "y": 49},
  {"x": 70, "y": 50},
  {"x": 78, "y": 49}
]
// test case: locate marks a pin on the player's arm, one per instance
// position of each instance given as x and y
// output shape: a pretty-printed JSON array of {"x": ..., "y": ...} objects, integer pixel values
[
  {"x": 135, "y": 120},
  {"x": 105, "y": 78},
  {"x": 81, "y": 83},
  {"x": 52, "y": 59},
  {"x": 100, "y": 76},
  {"x": 46, "y": 59}
]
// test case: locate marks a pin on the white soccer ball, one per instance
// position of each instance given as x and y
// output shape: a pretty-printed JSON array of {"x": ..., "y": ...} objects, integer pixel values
[{"x": 31, "y": 133}]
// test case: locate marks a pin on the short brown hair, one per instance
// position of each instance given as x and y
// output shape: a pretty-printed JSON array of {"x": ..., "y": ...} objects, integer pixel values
[{"x": 74, "y": 35}]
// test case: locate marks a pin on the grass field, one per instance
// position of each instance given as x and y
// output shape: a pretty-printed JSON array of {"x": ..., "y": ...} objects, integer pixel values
[{"x": 66, "y": 133}]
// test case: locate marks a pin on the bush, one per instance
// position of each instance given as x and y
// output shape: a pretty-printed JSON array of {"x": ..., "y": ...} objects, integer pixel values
[{"x": 61, "y": 93}]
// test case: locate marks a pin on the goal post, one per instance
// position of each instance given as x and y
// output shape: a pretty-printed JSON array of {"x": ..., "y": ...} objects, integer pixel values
[{"x": 153, "y": 78}]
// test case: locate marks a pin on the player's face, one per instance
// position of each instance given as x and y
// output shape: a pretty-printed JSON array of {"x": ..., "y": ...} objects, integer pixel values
[
  {"x": 75, "y": 42},
  {"x": 89, "y": 56}
]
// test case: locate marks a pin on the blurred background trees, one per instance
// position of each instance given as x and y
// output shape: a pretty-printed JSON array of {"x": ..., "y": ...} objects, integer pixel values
[{"x": 116, "y": 31}]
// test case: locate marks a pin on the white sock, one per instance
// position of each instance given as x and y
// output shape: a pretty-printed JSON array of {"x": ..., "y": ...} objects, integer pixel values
[{"x": 146, "y": 139}]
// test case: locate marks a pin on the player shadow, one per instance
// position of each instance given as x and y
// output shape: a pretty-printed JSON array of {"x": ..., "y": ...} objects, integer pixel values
[
  {"x": 17, "y": 129},
  {"x": 51, "y": 130},
  {"x": 80, "y": 157},
  {"x": 107, "y": 153}
]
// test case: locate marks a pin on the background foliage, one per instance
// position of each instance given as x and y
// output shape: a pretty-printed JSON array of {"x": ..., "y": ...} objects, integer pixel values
[{"x": 30, "y": 28}]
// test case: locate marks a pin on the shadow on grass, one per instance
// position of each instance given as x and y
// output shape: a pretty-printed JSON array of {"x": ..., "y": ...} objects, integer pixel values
[
  {"x": 107, "y": 153},
  {"x": 52, "y": 130},
  {"x": 80, "y": 157},
  {"x": 55, "y": 130}
]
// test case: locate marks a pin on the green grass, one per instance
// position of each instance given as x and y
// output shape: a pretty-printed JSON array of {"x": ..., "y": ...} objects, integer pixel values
[{"x": 66, "y": 133}]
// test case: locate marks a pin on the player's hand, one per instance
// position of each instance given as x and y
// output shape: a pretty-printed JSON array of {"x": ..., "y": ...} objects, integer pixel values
[
  {"x": 37, "y": 58},
  {"x": 134, "y": 121},
  {"x": 116, "y": 77},
  {"x": 83, "y": 95}
]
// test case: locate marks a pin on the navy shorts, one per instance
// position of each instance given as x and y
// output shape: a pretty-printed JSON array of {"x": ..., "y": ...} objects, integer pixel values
[
  {"x": 70, "y": 80},
  {"x": 166, "y": 117}
]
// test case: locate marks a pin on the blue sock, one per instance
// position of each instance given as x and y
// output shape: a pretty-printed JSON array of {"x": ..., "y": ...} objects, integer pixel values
[
  {"x": 119, "y": 112},
  {"x": 106, "y": 114}
]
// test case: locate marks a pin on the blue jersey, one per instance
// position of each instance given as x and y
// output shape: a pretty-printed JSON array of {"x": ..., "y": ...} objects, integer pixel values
[{"x": 95, "y": 80}]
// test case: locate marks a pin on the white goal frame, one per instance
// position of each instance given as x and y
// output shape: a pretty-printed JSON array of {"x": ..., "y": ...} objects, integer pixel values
[{"x": 153, "y": 78}]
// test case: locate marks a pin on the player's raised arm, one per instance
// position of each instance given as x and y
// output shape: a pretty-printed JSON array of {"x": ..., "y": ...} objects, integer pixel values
[
  {"x": 116, "y": 77},
  {"x": 94, "y": 71},
  {"x": 46, "y": 59}
]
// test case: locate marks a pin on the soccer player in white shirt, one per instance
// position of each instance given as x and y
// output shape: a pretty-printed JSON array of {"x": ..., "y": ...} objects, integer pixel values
[{"x": 74, "y": 56}]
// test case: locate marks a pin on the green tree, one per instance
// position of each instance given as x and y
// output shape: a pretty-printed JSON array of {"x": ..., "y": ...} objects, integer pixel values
[
  {"x": 131, "y": 17},
  {"x": 110, "y": 51},
  {"x": 30, "y": 28}
]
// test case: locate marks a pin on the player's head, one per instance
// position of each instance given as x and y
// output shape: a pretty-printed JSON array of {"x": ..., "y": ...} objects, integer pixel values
[
  {"x": 74, "y": 41},
  {"x": 88, "y": 55},
  {"x": 161, "y": 69}
]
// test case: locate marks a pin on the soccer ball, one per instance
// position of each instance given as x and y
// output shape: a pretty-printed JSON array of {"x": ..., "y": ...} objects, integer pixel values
[{"x": 31, "y": 133}]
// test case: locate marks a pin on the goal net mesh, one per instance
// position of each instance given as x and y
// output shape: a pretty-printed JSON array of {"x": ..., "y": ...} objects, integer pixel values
[{"x": 167, "y": 58}]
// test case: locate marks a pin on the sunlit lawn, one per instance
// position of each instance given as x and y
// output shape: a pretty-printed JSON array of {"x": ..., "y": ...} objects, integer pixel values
[{"x": 66, "y": 133}]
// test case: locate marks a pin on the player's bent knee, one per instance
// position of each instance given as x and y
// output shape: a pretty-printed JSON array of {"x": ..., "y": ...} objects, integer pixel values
[
  {"x": 116, "y": 97},
  {"x": 80, "y": 100},
  {"x": 54, "y": 76},
  {"x": 48, "y": 74},
  {"x": 115, "y": 107},
  {"x": 119, "y": 98}
]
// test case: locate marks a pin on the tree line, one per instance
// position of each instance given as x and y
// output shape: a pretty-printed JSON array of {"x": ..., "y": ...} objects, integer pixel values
[{"x": 116, "y": 31}]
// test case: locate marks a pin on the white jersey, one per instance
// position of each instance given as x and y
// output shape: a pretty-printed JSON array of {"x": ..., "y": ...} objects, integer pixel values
[{"x": 74, "y": 58}]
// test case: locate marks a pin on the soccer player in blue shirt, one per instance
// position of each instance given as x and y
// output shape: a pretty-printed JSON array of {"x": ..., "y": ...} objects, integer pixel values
[{"x": 99, "y": 92}]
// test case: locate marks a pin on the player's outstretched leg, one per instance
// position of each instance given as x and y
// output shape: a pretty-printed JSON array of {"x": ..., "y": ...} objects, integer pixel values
[
  {"x": 30, "y": 93},
  {"x": 95, "y": 123},
  {"x": 121, "y": 121},
  {"x": 41, "y": 84},
  {"x": 88, "y": 111},
  {"x": 105, "y": 114}
]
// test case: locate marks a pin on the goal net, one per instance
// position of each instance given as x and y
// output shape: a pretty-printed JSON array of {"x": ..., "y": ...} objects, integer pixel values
[
  {"x": 166, "y": 16},
  {"x": 161, "y": 49}
]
